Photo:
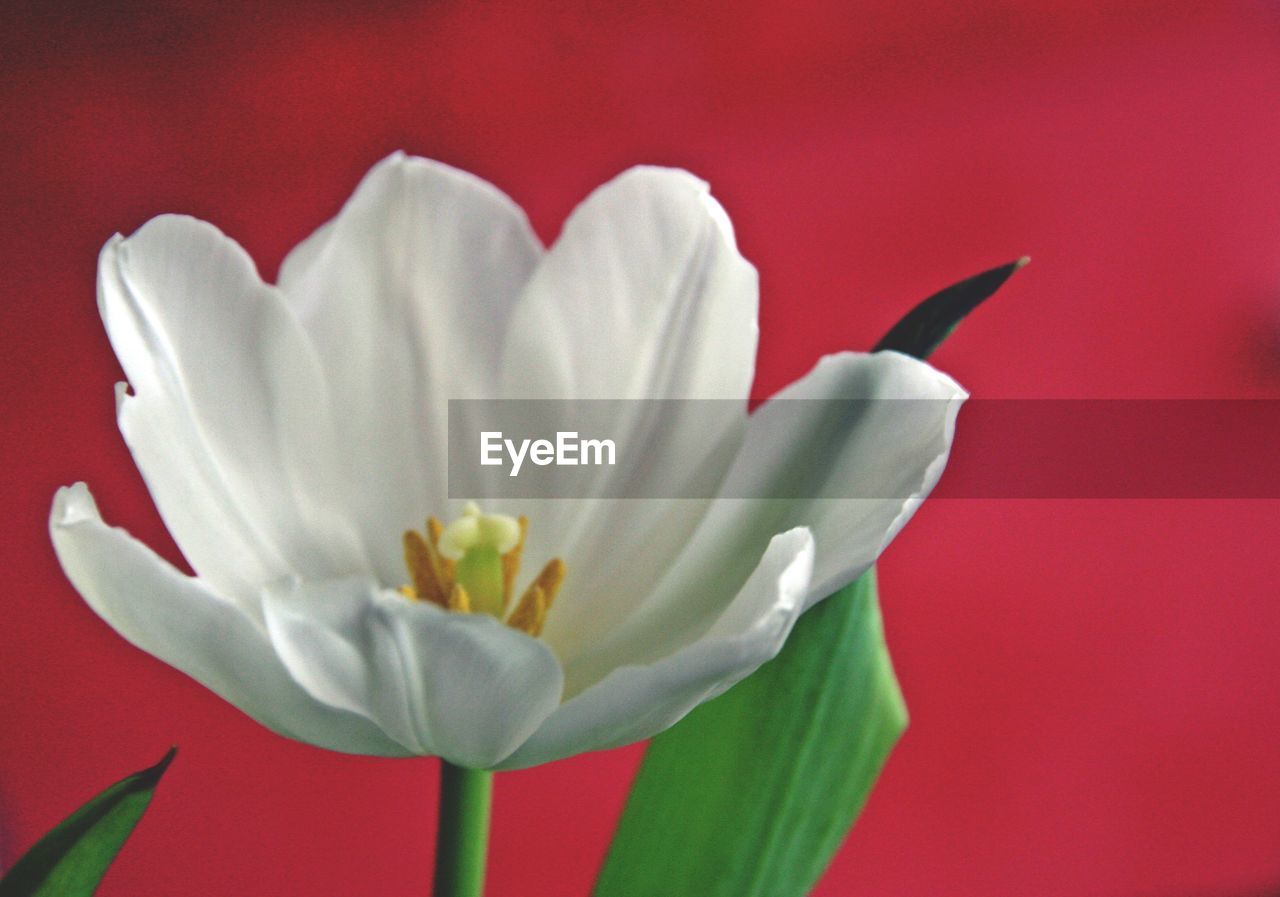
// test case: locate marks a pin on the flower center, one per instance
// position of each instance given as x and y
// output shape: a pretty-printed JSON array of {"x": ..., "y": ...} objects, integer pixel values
[{"x": 470, "y": 566}]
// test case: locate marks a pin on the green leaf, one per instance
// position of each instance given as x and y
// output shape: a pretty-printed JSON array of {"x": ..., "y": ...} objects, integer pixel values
[
  {"x": 71, "y": 859},
  {"x": 751, "y": 794},
  {"x": 924, "y": 328}
]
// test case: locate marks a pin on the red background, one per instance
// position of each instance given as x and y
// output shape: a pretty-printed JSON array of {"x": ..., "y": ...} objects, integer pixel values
[{"x": 1094, "y": 684}]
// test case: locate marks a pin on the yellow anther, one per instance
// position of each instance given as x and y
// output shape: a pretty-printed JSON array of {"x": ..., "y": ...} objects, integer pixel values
[
  {"x": 444, "y": 566},
  {"x": 423, "y": 573},
  {"x": 434, "y": 529},
  {"x": 459, "y": 600},
  {"x": 530, "y": 614},
  {"x": 549, "y": 580}
]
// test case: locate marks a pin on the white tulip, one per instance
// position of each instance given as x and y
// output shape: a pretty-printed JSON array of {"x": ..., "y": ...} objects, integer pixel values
[{"x": 293, "y": 438}]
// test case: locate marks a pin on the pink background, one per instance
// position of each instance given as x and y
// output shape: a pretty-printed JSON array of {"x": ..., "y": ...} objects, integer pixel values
[{"x": 1094, "y": 684}]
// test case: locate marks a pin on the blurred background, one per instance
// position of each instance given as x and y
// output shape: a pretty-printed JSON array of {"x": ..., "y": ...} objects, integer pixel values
[{"x": 1094, "y": 685}]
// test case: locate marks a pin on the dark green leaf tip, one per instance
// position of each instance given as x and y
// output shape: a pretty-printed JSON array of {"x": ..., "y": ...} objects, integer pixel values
[
  {"x": 926, "y": 326},
  {"x": 152, "y": 774},
  {"x": 71, "y": 859}
]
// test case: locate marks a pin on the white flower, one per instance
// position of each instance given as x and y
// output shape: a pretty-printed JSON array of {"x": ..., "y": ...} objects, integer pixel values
[{"x": 292, "y": 435}]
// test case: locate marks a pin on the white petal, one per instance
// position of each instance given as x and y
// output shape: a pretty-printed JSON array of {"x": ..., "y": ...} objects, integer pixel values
[
  {"x": 892, "y": 450},
  {"x": 228, "y": 423},
  {"x": 462, "y": 686},
  {"x": 406, "y": 295},
  {"x": 644, "y": 296},
  {"x": 795, "y": 443},
  {"x": 186, "y": 624},
  {"x": 635, "y": 702}
]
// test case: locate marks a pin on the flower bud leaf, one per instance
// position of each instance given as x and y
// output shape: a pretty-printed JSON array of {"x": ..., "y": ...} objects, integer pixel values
[
  {"x": 72, "y": 858},
  {"x": 923, "y": 329}
]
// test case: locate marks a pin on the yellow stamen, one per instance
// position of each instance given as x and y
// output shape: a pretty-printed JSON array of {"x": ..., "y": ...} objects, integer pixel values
[
  {"x": 444, "y": 567},
  {"x": 459, "y": 600},
  {"x": 549, "y": 579},
  {"x": 422, "y": 569},
  {"x": 530, "y": 614}
]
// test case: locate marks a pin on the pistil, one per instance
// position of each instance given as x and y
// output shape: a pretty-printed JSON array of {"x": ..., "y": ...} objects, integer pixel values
[{"x": 471, "y": 566}]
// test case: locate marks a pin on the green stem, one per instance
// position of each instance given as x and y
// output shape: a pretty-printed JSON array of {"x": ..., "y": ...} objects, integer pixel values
[{"x": 462, "y": 836}]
